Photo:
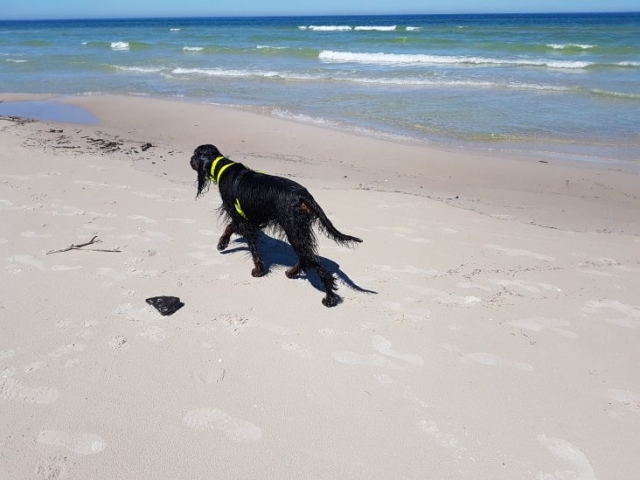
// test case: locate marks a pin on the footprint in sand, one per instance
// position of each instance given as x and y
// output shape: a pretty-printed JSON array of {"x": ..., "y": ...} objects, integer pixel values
[
  {"x": 484, "y": 358},
  {"x": 154, "y": 334},
  {"x": 209, "y": 376},
  {"x": 80, "y": 443},
  {"x": 209, "y": 233},
  {"x": 65, "y": 268},
  {"x": 402, "y": 313},
  {"x": 405, "y": 234},
  {"x": 352, "y": 358},
  {"x": 631, "y": 313},
  {"x": 158, "y": 236},
  {"x": 64, "y": 323},
  {"x": 90, "y": 183},
  {"x": 384, "y": 346},
  {"x": 514, "y": 252},
  {"x": 153, "y": 196},
  {"x": 32, "y": 367},
  {"x": 217, "y": 420},
  {"x": 539, "y": 324},
  {"x": 627, "y": 398},
  {"x": 444, "y": 439},
  {"x": 111, "y": 274},
  {"x": 568, "y": 453},
  {"x": 532, "y": 287},
  {"x": 445, "y": 298},
  {"x": 186, "y": 221},
  {"x": 431, "y": 273},
  {"x": 4, "y": 354},
  {"x": 11, "y": 388},
  {"x": 94, "y": 227},
  {"x": 67, "y": 350},
  {"x": 118, "y": 342},
  {"x": 66, "y": 211},
  {"x": 297, "y": 349},
  {"x": 27, "y": 260},
  {"x": 489, "y": 359},
  {"x": 141, "y": 218},
  {"x": 36, "y": 235},
  {"x": 52, "y": 468},
  {"x": 143, "y": 314},
  {"x": 472, "y": 286},
  {"x": 208, "y": 258}
]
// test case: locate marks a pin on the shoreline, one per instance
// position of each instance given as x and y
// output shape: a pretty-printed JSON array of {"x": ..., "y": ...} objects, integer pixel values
[
  {"x": 505, "y": 150},
  {"x": 564, "y": 194}
]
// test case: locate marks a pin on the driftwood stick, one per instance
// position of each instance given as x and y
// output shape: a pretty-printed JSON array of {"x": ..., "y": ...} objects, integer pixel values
[{"x": 82, "y": 245}]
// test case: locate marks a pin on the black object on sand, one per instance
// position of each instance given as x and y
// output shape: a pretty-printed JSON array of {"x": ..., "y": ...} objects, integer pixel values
[{"x": 165, "y": 305}]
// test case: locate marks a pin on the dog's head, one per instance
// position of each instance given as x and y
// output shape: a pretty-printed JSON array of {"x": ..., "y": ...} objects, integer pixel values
[{"x": 201, "y": 161}]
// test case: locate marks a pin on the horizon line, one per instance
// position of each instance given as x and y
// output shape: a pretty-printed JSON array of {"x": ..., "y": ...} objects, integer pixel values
[{"x": 193, "y": 17}]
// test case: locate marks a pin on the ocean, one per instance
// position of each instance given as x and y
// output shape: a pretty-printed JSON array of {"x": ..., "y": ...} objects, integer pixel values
[{"x": 559, "y": 85}]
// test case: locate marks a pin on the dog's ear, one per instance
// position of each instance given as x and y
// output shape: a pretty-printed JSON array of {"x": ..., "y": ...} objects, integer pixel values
[
  {"x": 201, "y": 163},
  {"x": 203, "y": 177}
]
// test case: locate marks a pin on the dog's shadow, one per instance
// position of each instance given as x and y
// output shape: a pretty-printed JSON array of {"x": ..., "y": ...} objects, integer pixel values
[{"x": 278, "y": 252}]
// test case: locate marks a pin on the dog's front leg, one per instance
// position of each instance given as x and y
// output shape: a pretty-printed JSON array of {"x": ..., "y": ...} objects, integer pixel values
[
  {"x": 226, "y": 236},
  {"x": 293, "y": 271},
  {"x": 252, "y": 241}
]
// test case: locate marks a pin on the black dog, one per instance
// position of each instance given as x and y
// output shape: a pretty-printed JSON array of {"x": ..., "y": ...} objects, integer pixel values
[{"x": 253, "y": 201}]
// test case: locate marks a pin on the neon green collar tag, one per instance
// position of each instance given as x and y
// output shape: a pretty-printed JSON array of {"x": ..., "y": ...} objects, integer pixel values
[{"x": 239, "y": 210}]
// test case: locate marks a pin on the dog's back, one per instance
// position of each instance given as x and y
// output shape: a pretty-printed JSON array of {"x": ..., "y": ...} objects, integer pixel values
[{"x": 273, "y": 201}]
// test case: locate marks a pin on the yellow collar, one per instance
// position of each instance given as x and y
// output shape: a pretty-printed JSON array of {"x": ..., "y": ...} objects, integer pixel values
[{"x": 213, "y": 168}]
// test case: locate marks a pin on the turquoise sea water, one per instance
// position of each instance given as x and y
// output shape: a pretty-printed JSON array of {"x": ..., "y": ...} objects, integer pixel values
[{"x": 563, "y": 85}]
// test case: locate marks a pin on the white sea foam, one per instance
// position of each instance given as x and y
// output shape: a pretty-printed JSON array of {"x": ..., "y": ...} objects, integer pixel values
[
  {"x": 323, "y": 122},
  {"x": 383, "y": 81},
  {"x": 298, "y": 117},
  {"x": 326, "y": 28},
  {"x": 607, "y": 93},
  {"x": 409, "y": 59},
  {"x": 220, "y": 72},
  {"x": 563, "y": 46},
  {"x": 376, "y": 28},
  {"x": 446, "y": 82},
  {"x": 119, "y": 45},
  {"x": 175, "y": 29},
  {"x": 15, "y": 60},
  {"x": 413, "y": 29},
  {"x": 138, "y": 69},
  {"x": 192, "y": 49}
]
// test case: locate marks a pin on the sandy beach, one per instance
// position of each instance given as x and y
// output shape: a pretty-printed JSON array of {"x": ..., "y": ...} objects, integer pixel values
[{"x": 489, "y": 328}]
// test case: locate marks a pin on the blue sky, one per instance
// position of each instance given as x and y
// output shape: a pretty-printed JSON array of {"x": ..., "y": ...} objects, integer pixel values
[{"x": 37, "y": 9}]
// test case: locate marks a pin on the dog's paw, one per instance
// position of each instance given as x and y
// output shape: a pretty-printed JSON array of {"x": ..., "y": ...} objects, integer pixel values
[
  {"x": 331, "y": 300},
  {"x": 258, "y": 272},
  {"x": 293, "y": 272},
  {"x": 222, "y": 244}
]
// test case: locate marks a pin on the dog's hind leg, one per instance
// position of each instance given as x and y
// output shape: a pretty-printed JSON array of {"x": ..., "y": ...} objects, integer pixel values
[
  {"x": 332, "y": 298},
  {"x": 307, "y": 260},
  {"x": 226, "y": 236}
]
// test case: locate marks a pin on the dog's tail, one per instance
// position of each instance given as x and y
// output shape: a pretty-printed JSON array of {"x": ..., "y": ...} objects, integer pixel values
[{"x": 328, "y": 228}]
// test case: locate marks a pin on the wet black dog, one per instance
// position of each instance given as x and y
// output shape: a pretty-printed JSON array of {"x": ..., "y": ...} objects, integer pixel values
[{"x": 253, "y": 201}]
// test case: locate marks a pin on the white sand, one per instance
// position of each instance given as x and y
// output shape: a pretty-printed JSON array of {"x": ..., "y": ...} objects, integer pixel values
[{"x": 501, "y": 343}]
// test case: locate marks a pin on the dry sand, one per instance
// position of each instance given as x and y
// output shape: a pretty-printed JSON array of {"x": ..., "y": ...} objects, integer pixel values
[{"x": 501, "y": 341}]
